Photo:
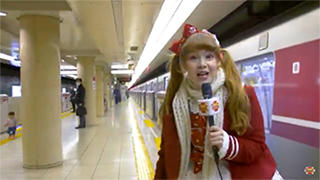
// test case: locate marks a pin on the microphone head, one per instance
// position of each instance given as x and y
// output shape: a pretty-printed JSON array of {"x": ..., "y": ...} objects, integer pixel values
[{"x": 206, "y": 90}]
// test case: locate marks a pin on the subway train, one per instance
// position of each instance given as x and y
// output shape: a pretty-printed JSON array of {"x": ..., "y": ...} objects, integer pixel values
[{"x": 282, "y": 64}]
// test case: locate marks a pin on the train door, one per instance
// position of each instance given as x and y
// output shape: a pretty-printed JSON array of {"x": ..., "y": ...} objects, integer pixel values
[
  {"x": 259, "y": 73},
  {"x": 153, "y": 89},
  {"x": 145, "y": 89}
]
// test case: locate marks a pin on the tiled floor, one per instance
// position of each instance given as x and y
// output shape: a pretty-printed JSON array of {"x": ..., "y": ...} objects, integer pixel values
[
  {"x": 98, "y": 152},
  {"x": 105, "y": 151}
]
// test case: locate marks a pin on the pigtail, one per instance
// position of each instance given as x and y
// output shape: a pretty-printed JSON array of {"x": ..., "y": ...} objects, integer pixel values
[
  {"x": 176, "y": 78},
  {"x": 238, "y": 103}
]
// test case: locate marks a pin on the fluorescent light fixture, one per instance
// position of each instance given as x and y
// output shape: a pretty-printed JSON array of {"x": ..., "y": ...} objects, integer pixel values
[
  {"x": 11, "y": 59},
  {"x": 67, "y": 67},
  {"x": 172, "y": 15},
  {"x": 68, "y": 72},
  {"x": 3, "y": 13},
  {"x": 15, "y": 63},
  {"x": 122, "y": 72},
  {"x": 119, "y": 66},
  {"x": 6, "y": 57}
]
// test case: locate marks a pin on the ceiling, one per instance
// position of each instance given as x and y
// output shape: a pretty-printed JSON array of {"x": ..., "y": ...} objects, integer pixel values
[
  {"x": 208, "y": 13},
  {"x": 106, "y": 29},
  {"x": 111, "y": 30}
]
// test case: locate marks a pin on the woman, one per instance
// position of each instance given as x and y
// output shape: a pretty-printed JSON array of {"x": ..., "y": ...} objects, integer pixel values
[{"x": 187, "y": 140}]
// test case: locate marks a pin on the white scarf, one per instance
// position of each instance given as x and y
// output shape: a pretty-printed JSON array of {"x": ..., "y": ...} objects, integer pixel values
[{"x": 181, "y": 113}]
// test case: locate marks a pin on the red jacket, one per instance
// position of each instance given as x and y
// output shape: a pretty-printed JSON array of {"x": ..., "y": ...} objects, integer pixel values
[{"x": 253, "y": 160}]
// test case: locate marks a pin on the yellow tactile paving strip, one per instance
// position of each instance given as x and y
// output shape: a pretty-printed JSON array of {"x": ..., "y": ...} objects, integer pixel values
[
  {"x": 19, "y": 133},
  {"x": 158, "y": 142},
  {"x": 149, "y": 123},
  {"x": 144, "y": 167},
  {"x": 65, "y": 114},
  {"x": 6, "y": 140}
]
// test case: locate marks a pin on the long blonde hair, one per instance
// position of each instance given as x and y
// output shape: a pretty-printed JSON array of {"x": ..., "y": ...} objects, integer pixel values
[
  {"x": 176, "y": 77},
  {"x": 238, "y": 104}
]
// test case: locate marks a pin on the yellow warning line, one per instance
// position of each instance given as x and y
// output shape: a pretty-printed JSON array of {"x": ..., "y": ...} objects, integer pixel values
[
  {"x": 149, "y": 123},
  {"x": 6, "y": 140},
  {"x": 143, "y": 163},
  {"x": 157, "y": 140},
  {"x": 63, "y": 115}
]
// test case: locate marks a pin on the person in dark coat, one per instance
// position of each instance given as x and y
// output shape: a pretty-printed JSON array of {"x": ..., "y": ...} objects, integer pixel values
[
  {"x": 72, "y": 99},
  {"x": 79, "y": 100},
  {"x": 116, "y": 94}
]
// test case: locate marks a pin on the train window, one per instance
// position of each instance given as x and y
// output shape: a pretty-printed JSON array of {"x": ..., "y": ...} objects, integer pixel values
[
  {"x": 160, "y": 85},
  {"x": 259, "y": 73},
  {"x": 165, "y": 81},
  {"x": 156, "y": 87}
]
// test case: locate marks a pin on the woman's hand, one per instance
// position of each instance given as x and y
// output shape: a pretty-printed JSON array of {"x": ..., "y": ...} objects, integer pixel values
[{"x": 215, "y": 136}]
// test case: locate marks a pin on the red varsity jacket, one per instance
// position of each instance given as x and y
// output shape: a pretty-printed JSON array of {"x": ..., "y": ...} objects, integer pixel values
[{"x": 248, "y": 155}]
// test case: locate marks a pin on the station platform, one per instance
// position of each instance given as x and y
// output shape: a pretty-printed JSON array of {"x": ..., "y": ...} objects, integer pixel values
[
  {"x": 113, "y": 149},
  {"x": 124, "y": 145}
]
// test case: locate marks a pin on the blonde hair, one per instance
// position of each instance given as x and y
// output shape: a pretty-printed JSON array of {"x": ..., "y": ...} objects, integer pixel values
[
  {"x": 176, "y": 77},
  {"x": 238, "y": 104}
]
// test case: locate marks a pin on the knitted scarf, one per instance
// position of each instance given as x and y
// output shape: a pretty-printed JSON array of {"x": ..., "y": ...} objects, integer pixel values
[{"x": 181, "y": 112}]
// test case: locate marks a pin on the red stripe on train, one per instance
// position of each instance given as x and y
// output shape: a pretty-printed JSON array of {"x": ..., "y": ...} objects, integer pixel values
[{"x": 300, "y": 134}]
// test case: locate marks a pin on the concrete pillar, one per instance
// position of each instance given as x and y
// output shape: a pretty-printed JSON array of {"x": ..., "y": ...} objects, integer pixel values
[
  {"x": 87, "y": 72},
  {"x": 41, "y": 91},
  {"x": 100, "y": 91}
]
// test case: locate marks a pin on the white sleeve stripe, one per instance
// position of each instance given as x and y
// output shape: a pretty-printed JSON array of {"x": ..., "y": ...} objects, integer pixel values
[
  {"x": 232, "y": 147},
  {"x": 237, "y": 148}
]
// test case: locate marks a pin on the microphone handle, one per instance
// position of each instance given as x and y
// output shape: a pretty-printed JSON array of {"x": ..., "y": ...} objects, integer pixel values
[
  {"x": 211, "y": 120},
  {"x": 214, "y": 148}
]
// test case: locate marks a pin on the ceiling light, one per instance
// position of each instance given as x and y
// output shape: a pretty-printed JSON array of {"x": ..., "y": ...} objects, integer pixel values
[
  {"x": 3, "y": 13},
  {"x": 172, "y": 15},
  {"x": 119, "y": 66},
  {"x": 67, "y": 67},
  {"x": 122, "y": 72},
  {"x": 6, "y": 57},
  {"x": 68, "y": 72}
]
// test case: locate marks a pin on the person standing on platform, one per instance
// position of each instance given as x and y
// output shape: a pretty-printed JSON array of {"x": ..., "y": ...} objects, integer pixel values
[
  {"x": 116, "y": 93},
  {"x": 72, "y": 98},
  {"x": 234, "y": 147},
  {"x": 79, "y": 100}
]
